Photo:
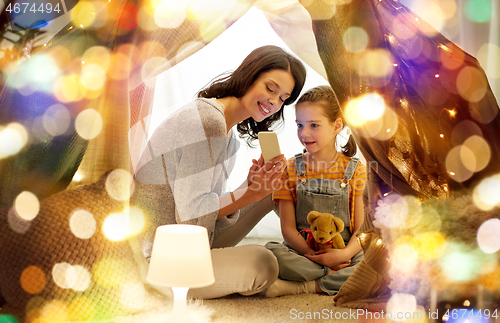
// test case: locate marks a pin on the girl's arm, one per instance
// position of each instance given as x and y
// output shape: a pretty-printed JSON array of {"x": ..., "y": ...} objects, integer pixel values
[
  {"x": 289, "y": 228},
  {"x": 334, "y": 257}
]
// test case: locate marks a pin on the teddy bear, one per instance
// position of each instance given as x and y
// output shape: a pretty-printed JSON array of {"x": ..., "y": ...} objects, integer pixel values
[{"x": 325, "y": 231}]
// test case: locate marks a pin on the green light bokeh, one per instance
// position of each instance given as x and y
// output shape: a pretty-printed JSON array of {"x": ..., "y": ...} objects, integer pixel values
[{"x": 479, "y": 10}]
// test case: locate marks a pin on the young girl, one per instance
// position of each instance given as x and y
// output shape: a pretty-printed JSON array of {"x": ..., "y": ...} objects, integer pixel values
[{"x": 325, "y": 180}]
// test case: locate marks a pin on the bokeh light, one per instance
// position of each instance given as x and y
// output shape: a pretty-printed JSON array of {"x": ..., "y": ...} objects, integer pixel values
[
  {"x": 137, "y": 220},
  {"x": 355, "y": 39},
  {"x": 56, "y": 119},
  {"x": 450, "y": 60},
  {"x": 126, "y": 17},
  {"x": 83, "y": 14},
  {"x": 81, "y": 309},
  {"x": 108, "y": 272},
  {"x": 401, "y": 303},
  {"x": 64, "y": 275},
  {"x": 88, "y": 124},
  {"x": 16, "y": 223},
  {"x": 481, "y": 152},
  {"x": 27, "y": 205},
  {"x": 83, "y": 279},
  {"x": 116, "y": 226},
  {"x": 431, "y": 12},
  {"x": 93, "y": 77},
  {"x": 459, "y": 264},
  {"x": 67, "y": 88},
  {"x": 133, "y": 296},
  {"x": 12, "y": 139},
  {"x": 401, "y": 28},
  {"x": 120, "y": 184},
  {"x": 488, "y": 55},
  {"x": 376, "y": 63},
  {"x": 363, "y": 109},
  {"x": 485, "y": 194},
  {"x": 54, "y": 311},
  {"x": 471, "y": 84},
  {"x": 33, "y": 280},
  {"x": 404, "y": 258},
  {"x": 170, "y": 14},
  {"x": 4, "y": 318},
  {"x": 454, "y": 163},
  {"x": 391, "y": 212},
  {"x": 488, "y": 236},
  {"x": 82, "y": 224},
  {"x": 98, "y": 55},
  {"x": 430, "y": 245},
  {"x": 479, "y": 10}
]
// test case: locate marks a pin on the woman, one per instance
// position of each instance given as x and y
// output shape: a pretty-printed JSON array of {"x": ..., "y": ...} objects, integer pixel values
[{"x": 182, "y": 174}]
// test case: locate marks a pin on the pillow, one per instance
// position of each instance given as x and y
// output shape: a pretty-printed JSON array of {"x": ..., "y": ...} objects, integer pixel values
[{"x": 72, "y": 262}]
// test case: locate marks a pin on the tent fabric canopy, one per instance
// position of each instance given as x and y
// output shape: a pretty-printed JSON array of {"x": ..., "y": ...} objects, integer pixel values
[{"x": 104, "y": 76}]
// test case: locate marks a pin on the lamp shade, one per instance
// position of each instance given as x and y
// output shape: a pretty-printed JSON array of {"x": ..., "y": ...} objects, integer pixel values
[{"x": 181, "y": 257}]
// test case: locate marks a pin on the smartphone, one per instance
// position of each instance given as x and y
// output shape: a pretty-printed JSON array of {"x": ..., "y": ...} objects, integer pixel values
[{"x": 269, "y": 145}]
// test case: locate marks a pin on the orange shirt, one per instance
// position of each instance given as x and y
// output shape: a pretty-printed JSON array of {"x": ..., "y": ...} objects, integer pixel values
[{"x": 289, "y": 179}]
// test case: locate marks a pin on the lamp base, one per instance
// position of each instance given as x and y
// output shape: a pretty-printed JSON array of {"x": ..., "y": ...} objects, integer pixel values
[{"x": 179, "y": 311}]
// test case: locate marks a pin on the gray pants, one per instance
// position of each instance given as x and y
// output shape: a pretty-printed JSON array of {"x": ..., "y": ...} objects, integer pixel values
[{"x": 295, "y": 267}]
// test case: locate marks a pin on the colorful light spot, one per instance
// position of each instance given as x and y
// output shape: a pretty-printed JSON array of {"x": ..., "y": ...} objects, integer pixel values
[
  {"x": 487, "y": 236},
  {"x": 355, "y": 39},
  {"x": 391, "y": 212},
  {"x": 88, "y": 124},
  {"x": 64, "y": 275},
  {"x": 459, "y": 265},
  {"x": 93, "y": 77},
  {"x": 488, "y": 56},
  {"x": 430, "y": 12},
  {"x": 55, "y": 312},
  {"x": 481, "y": 151},
  {"x": 81, "y": 14},
  {"x": 402, "y": 303},
  {"x": 56, "y": 120},
  {"x": 108, "y": 272},
  {"x": 120, "y": 184},
  {"x": 116, "y": 227},
  {"x": 455, "y": 165},
  {"x": 479, "y": 11},
  {"x": 83, "y": 279},
  {"x": 471, "y": 84},
  {"x": 152, "y": 66},
  {"x": 377, "y": 63},
  {"x": 485, "y": 195},
  {"x": 170, "y": 14},
  {"x": 8, "y": 319},
  {"x": 27, "y": 206},
  {"x": 137, "y": 220},
  {"x": 33, "y": 280},
  {"x": 98, "y": 55},
  {"x": 133, "y": 296},
  {"x": 82, "y": 224},
  {"x": 126, "y": 17},
  {"x": 404, "y": 258},
  {"x": 13, "y": 138},
  {"x": 16, "y": 223},
  {"x": 81, "y": 309},
  {"x": 430, "y": 245}
]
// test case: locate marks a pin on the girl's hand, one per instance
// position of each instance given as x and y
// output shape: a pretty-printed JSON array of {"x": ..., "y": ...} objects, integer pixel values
[{"x": 331, "y": 258}]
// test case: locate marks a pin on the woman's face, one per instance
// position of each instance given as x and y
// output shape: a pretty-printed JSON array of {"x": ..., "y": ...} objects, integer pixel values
[{"x": 267, "y": 94}]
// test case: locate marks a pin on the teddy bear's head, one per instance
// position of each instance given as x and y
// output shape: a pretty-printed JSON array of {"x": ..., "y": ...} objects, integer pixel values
[{"x": 324, "y": 226}]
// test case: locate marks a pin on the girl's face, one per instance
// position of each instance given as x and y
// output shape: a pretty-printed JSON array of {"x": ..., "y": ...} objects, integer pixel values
[
  {"x": 266, "y": 95},
  {"x": 315, "y": 131}
]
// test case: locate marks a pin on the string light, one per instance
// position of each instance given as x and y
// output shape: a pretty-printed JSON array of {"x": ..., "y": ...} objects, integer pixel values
[
  {"x": 441, "y": 135},
  {"x": 436, "y": 76},
  {"x": 452, "y": 113}
]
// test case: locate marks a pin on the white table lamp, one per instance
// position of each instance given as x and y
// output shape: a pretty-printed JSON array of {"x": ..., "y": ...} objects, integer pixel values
[{"x": 181, "y": 259}]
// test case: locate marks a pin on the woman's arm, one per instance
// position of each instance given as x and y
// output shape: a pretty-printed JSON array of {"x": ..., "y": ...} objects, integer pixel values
[
  {"x": 259, "y": 184},
  {"x": 334, "y": 257},
  {"x": 289, "y": 228}
]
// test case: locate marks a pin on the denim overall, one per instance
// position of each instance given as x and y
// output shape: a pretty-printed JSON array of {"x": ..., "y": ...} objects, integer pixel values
[{"x": 324, "y": 196}]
